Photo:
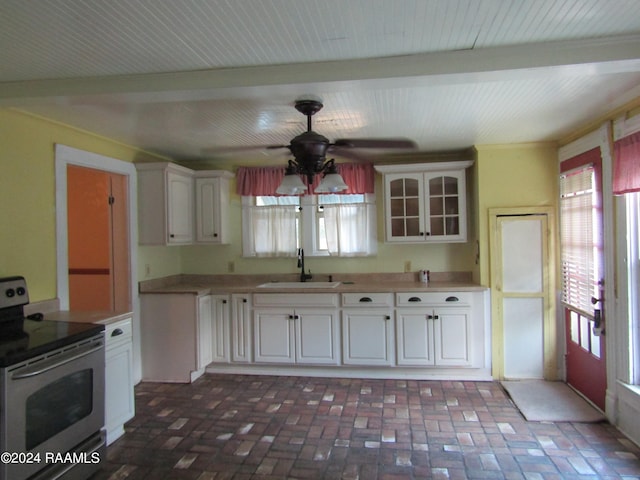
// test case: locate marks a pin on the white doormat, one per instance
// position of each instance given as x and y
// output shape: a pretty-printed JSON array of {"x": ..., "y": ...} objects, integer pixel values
[{"x": 541, "y": 401}]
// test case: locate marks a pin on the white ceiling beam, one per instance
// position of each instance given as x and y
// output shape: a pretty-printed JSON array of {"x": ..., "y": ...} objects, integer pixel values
[{"x": 565, "y": 58}]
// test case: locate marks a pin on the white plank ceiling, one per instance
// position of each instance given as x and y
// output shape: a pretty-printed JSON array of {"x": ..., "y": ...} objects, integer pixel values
[{"x": 190, "y": 78}]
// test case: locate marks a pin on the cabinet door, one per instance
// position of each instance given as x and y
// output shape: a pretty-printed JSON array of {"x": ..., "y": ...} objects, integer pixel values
[
  {"x": 119, "y": 399},
  {"x": 240, "y": 328},
  {"x": 367, "y": 337},
  {"x": 404, "y": 207},
  {"x": 452, "y": 332},
  {"x": 211, "y": 210},
  {"x": 205, "y": 337},
  {"x": 445, "y": 206},
  {"x": 414, "y": 337},
  {"x": 179, "y": 208},
  {"x": 273, "y": 335},
  {"x": 220, "y": 326},
  {"x": 316, "y": 337}
]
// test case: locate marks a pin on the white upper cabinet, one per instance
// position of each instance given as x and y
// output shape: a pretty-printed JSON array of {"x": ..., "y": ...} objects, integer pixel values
[
  {"x": 165, "y": 204},
  {"x": 212, "y": 206},
  {"x": 425, "y": 202},
  {"x": 175, "y": 202}
]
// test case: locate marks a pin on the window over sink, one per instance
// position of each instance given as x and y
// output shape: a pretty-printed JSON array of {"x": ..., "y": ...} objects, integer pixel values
[{"x": 323, "y": 225}]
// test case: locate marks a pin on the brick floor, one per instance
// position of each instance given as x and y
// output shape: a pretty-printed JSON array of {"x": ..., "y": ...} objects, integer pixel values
[{"x": 268, "y": 427}]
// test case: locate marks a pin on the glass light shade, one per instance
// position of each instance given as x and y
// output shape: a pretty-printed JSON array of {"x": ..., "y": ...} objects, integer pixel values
[
  {"x": 331, "y": 183},
  {"x": 291, "y": 185}
]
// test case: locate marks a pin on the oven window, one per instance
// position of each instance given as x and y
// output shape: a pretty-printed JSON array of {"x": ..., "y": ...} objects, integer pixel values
[{"x": 57, "y": 406}]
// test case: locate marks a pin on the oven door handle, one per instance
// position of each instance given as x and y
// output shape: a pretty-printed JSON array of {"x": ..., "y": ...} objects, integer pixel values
[{"x": 54, "y": 362}]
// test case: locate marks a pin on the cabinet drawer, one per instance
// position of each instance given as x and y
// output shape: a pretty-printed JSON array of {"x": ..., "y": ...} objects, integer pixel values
[
  {"x": 295, "y": 300},
  {"x": 415, "y": 299},
  {"x": 367, "y": 300},
  {"x": 118, "y": 332}
]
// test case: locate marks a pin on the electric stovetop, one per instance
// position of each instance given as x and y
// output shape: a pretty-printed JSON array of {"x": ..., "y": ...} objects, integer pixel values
[{"x": 21, "y": 339}]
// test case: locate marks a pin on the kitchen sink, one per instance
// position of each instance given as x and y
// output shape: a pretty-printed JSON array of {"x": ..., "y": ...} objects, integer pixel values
[{"x": 300, "y": 285}]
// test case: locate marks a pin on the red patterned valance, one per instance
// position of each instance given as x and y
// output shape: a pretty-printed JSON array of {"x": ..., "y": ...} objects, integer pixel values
[
  {"x": 255, "y": 181},
  {"x": 626, "y": 164}
]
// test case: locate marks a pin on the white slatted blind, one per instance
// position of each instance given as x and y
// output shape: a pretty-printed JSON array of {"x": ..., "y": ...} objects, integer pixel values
[{"x": 577, "y": 203}]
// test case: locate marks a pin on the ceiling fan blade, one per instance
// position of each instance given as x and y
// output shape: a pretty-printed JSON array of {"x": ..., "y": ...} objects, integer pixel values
[
  {"x": 238, "y": 149},
  {"x": 349, "y": 153},
  {"x": 390, "y": 143}
]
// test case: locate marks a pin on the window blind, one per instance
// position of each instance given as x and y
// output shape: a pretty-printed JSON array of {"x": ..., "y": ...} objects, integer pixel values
[{"x": 577, "y": 203}]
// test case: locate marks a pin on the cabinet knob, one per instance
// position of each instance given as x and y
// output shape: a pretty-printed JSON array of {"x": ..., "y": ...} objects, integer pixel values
[
  {"x": 436, "y": 317},
  {"x": 215, "y": 235},
  {"x": 387, "y": 317},
  {"x": 244, "y": 300},
  {"x": 171, "y": 235},
  {"x": 415, "y": 299},
  {"x": 224, "y": 301},
  {"x": 366, "y": 299},
  {"x": 452, "y": 299},
  {"x": 429, "y": 317}
]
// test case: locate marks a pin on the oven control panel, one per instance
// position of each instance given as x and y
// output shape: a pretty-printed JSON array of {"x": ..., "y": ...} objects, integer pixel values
[{"x": 13, "y": 292}]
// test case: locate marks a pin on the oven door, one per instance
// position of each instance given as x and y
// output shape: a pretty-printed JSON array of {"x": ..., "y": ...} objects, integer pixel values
[{"x": 53, "y": 403}]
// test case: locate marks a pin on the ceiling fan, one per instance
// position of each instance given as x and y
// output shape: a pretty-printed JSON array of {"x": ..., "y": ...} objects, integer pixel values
[{"x": 310, "y": 149}]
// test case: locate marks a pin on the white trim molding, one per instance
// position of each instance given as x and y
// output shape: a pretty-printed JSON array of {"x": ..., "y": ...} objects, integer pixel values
[{"x": 65, "y": 156}]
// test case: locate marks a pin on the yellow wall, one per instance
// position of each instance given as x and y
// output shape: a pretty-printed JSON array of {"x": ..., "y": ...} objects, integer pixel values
[
  {"x": 390, "y": 257},
  {"x": 27, "y": 194},
  {"x": 512, "y": 176},
  {"x": 503, "y": 176}
]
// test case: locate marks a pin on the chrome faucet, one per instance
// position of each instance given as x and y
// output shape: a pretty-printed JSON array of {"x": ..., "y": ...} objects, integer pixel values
[{"x": 303, "y": 276}]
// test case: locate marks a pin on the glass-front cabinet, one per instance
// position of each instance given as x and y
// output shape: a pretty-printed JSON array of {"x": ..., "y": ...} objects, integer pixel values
[{"x": 425, "y": 202}]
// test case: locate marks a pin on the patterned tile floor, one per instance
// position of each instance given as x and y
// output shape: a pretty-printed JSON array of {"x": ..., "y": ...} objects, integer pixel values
[{"x": 268, "y": 427}]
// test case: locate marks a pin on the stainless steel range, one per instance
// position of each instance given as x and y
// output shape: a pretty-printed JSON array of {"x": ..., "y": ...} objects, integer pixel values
[{"x": 52, "y": 392}]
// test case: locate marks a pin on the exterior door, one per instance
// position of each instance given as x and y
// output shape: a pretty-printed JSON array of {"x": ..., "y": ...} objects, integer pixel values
[
  {"x": 521, "y": 295},
  {"x": 582, "y": 247}
]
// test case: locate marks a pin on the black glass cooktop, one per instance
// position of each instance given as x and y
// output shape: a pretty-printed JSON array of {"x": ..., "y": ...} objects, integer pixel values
[{"x": 22, "y": 339}]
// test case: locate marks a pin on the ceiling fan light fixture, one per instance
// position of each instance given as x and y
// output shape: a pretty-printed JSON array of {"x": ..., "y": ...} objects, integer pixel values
[
  {"x": 291, "y": 183},
  {"x": 332, "y": 181}
]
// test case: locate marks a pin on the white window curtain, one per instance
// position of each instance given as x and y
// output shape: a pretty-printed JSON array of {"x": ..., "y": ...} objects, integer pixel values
[
  {"x": 577, "y": 196},
  {"x": 273, "y": 230},
  {"x": 350, "y": 229}
]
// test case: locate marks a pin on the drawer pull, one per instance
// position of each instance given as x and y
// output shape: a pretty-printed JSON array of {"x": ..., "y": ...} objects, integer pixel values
[
  {"x": 415, "y": 299},
  {"x": 452, "y": 299},
  {"x": 366, "y": 299},
  {"x": 117, "y": 332}
]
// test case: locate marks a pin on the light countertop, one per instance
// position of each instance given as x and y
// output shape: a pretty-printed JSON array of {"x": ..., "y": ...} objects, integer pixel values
[{"x": 361, "y": 283}]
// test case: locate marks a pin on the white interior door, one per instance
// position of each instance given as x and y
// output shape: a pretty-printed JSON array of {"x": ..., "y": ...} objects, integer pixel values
[{"x": 520, "y": 281}]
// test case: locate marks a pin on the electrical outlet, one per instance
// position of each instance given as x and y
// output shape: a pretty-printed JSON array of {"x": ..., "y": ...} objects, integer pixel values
[
  {"x": 231, "y": 267},
  {"x": 407, "y": 266}
]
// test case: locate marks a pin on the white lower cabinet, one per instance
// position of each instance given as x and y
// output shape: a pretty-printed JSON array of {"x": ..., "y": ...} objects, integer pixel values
[
  {"x": 204, "y": 333},
  {"x": 421, "y": 333},
  {"x": 295, "y": 336},
  {"x": 367, "y": 329},
  {"x": 452, "y": 334},
  {"x": 119, "y": 398},
  {"x": 367, "y": 337},
  {"x": 301, "y": 329},
  {"x": 433, "y": 337},
  {"x": 241, "y": 337},
  {"x": 220, "y": 329},
  {"x": 414, "y": 338},
  {"x": 427, "y": 334}
]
